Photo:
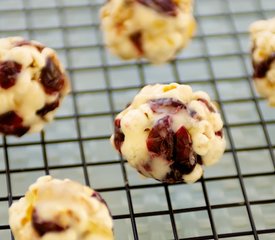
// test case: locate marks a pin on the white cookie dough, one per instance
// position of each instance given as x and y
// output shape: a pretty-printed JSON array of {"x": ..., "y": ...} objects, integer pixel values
[
  {"x": 152, "y": 29},
  {"x": 263, "y": 57},
  {"x": 55, "y": 209},
  {"x": 168, "y": 132},
  {"x": 32, "y": 85}
]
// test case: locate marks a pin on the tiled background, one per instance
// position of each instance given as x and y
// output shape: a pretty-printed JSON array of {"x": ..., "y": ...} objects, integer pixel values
[{"x": 236, "y": 198}]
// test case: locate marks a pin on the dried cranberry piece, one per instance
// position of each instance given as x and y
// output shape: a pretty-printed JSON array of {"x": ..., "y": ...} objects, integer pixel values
[
  {"x": 119, "y": 136},
  {"x": 19, "y": 131},
  {"x": 147, "y": 167},
  {"x": 136, "y": 39},
  {"x": 184, "y": 157},
  {"x": 183, "y": 144},
  {"x": 199, "y": 160},
  {"x": 176, "y": 148},
  {"x": 51, "y": 77},
  {"x": 166, "y": 105},
  {"x": 43, "y": 227},
  {"x": 48, "y": 108},
  {"x": 207, "y": 104},
  {"x": 167, "y": 7},
  {"x": 28, "y": 43},
  {"x": 8, "y": 73},
  {"x": 174, "y": 176},
  {"x": 11, "y": 123},
  {"x": 261, "y": 68},
  {"x": 219, "y": 133},
  {"x": 183, "y": 150},
  {"x": 160, "y": 138}
]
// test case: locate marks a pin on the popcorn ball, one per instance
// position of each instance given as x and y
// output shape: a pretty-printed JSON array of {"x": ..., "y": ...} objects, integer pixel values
[
  {"x": 169, "y": 132},
  {"x": 152, "y": 29},
  {"x": 55, "y": 209},
  {"x": 263, "y": 57},
  {"x": 32, "y": 85}
]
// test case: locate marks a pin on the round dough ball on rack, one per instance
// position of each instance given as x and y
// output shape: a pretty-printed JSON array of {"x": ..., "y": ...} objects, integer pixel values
[
  {"x": 263, "y": 57},
  {"x": 152, "y": 29},
  {"x": 168, "y": 132},
  {"x": 32, "y": 85},
  {"x": 54, "y": 209}
]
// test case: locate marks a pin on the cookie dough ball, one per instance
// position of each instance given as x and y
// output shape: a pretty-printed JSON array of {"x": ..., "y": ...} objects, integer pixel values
[
  {"x": 32, "y": 85},
  {"x": 263, "y": 57},
  {"x": 153, "y": 29},
  {"x": 168, "y": 132},
  {"x": 55, "y": 209}
]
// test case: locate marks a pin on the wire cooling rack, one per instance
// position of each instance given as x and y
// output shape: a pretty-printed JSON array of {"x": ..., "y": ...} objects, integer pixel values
[{"x": 235, "y": 199}]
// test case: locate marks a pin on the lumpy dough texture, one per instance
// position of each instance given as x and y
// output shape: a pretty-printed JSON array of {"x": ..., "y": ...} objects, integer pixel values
[
  {"x": 55, "y": 209},
  {"x": 153, "y": 29},
  {"x": 32, "y": 85},
  {"x": 168, "y": 132},
  {"x": 263, "y": 57}
]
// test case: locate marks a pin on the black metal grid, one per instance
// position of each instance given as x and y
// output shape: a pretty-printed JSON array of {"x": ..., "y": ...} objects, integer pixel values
[{"x": 219, "y": 21}]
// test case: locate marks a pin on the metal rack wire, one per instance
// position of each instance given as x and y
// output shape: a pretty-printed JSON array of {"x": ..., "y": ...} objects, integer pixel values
[{"x": 234, "y": 200}]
